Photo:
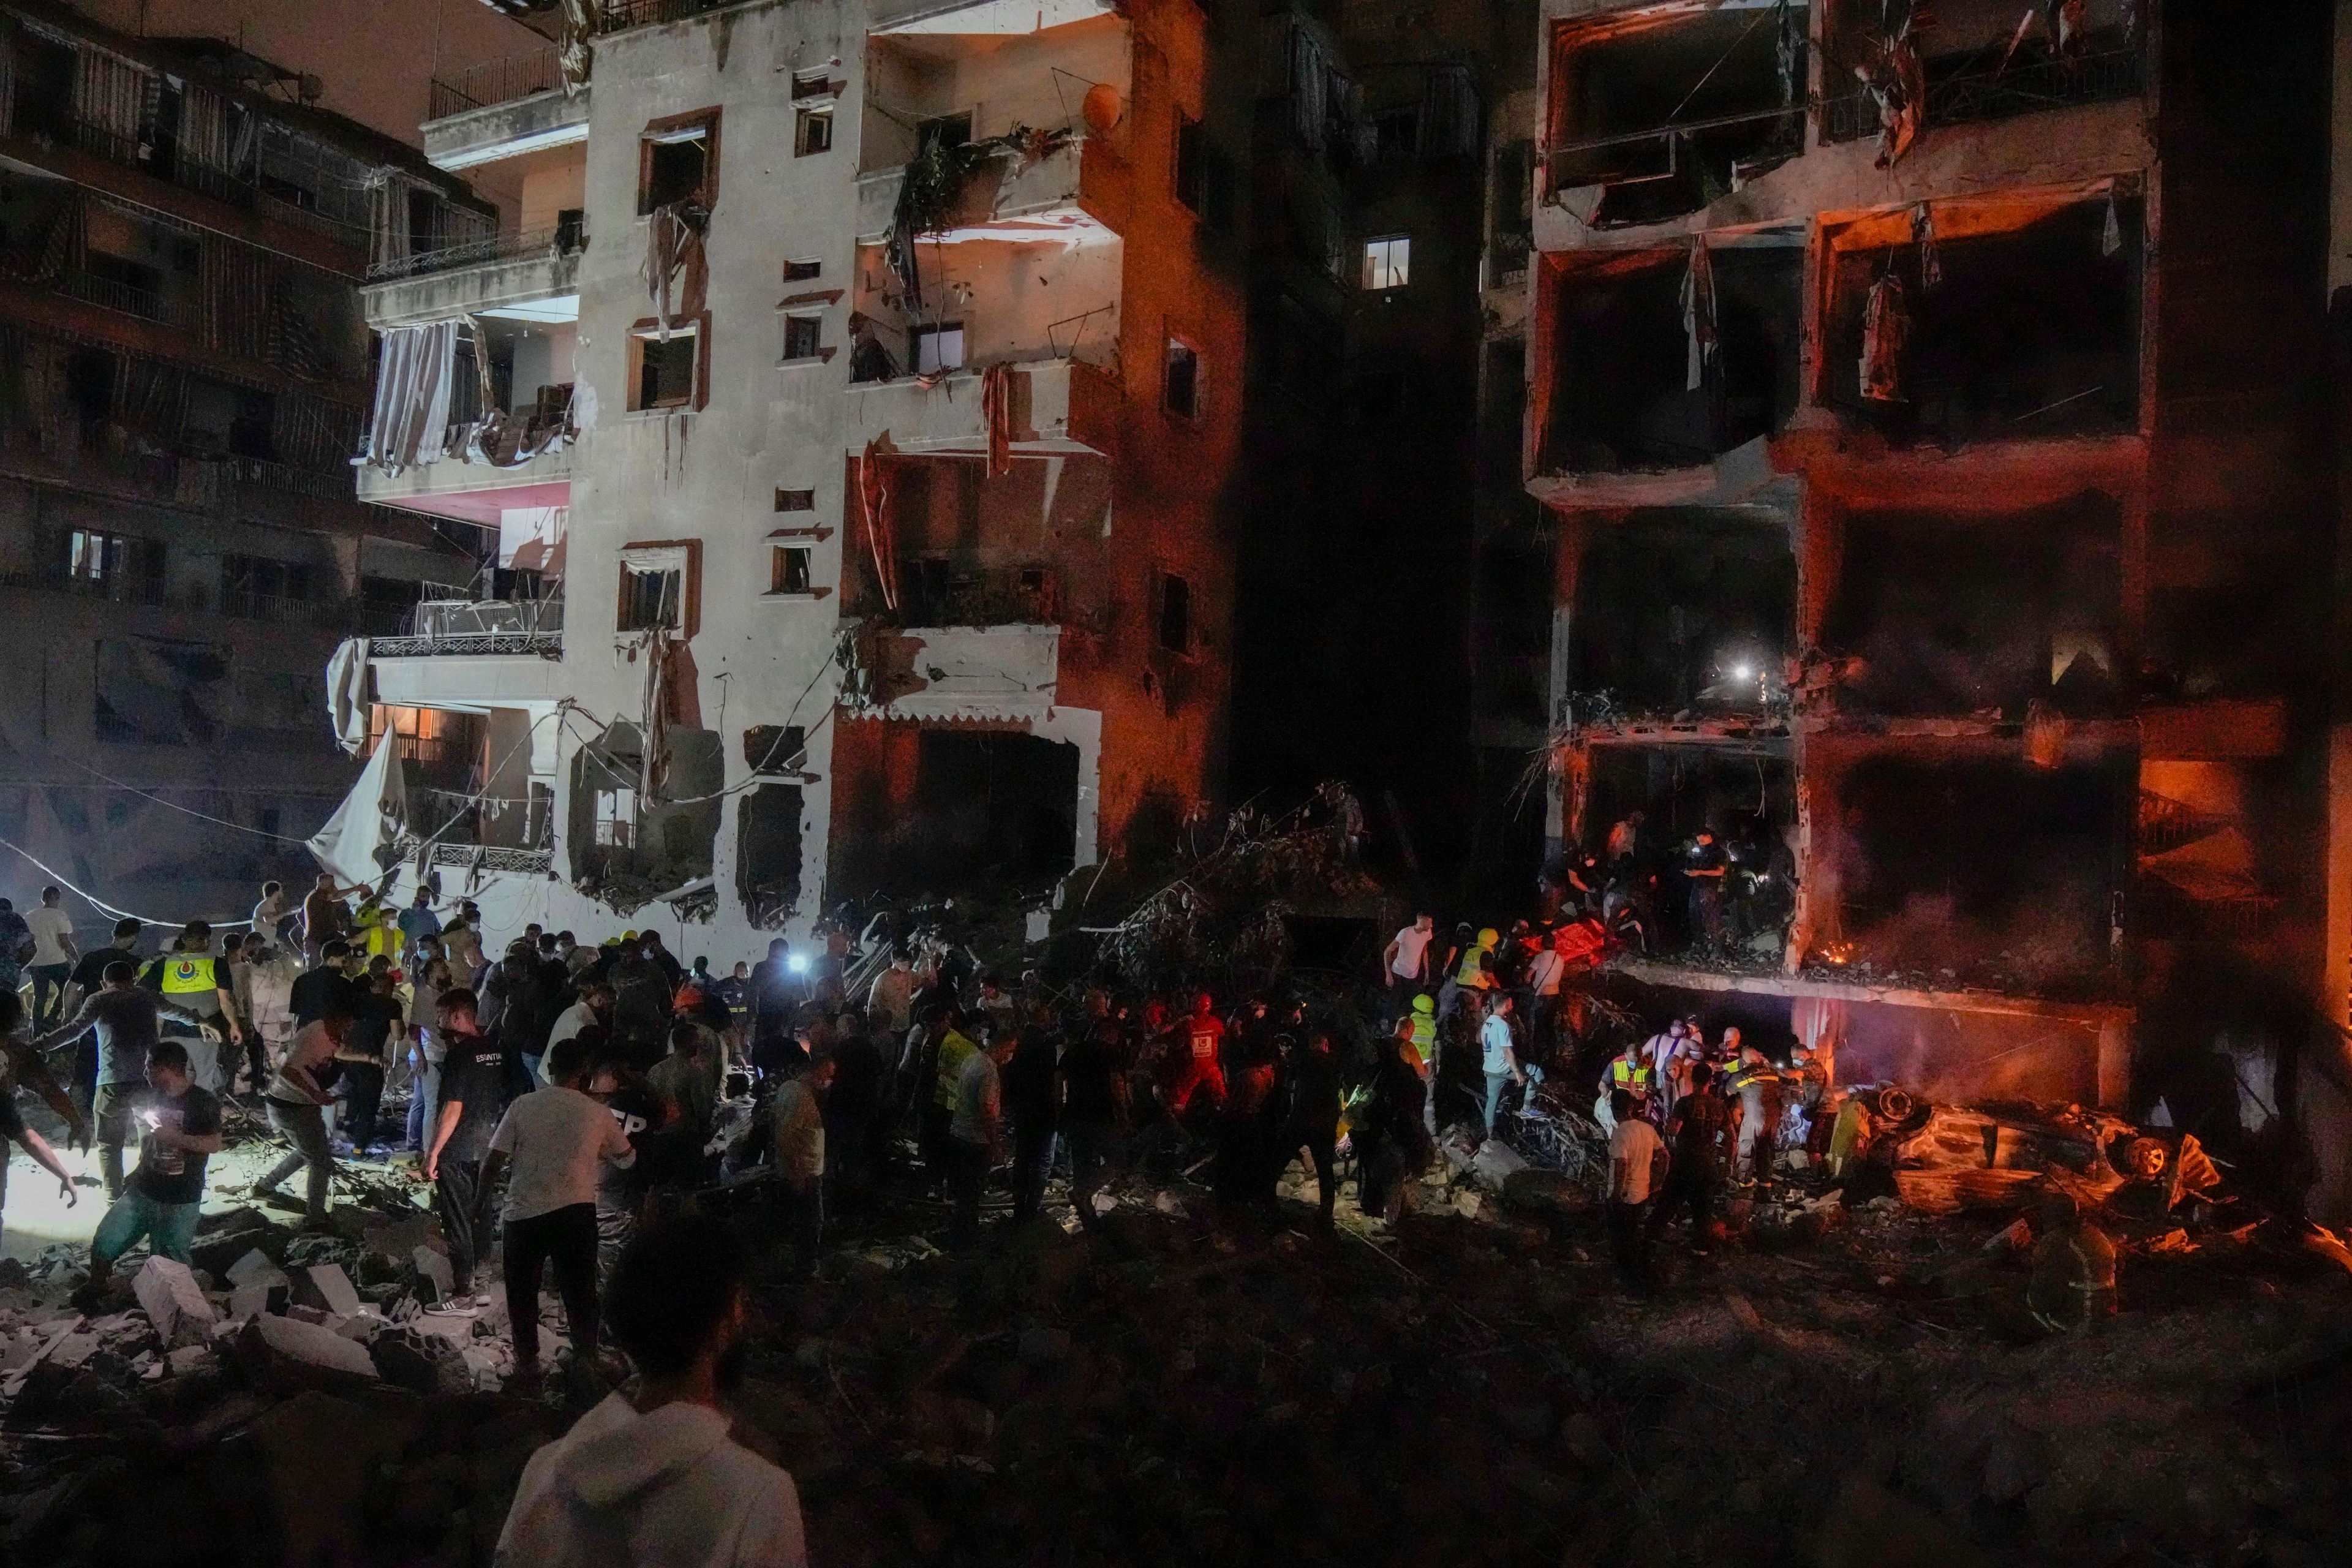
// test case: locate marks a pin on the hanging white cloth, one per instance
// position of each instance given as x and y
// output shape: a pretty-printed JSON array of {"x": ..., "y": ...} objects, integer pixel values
[
  {"x": 347, "y": 694},
  {"x": 410, "y": 422},
  {"x": 371, "y": 818}
]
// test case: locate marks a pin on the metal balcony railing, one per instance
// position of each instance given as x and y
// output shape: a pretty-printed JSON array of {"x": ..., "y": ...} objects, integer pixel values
[
  {"x": 564, "y": 239},
  {"x": 111, "y": 295},
  {"x": 279, "y": 609},
  {"x": 1988, "y": 94},
  {"x": 443, "y": 627},
  {"x": 164, "y": 158},
  {"x": 506, "y": 80},
  {"x": 619, "y": 16},
  {"x": 122, "y": 588}
]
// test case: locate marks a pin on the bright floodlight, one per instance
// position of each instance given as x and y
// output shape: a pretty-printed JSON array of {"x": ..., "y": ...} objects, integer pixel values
[{"x": 797, "y": 963}]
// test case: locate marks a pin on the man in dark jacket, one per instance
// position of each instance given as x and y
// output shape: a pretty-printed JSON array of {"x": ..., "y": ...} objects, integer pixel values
[{"x": 1030, "y": 1093}]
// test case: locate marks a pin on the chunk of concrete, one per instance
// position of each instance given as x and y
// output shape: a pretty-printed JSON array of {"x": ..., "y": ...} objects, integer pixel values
[
  {"x": 268, "y": 1339},
  {"x": 256, "y": 1297},
  {"x": 433, "y": 1266},
  {"x": 327, "y": 1286},
  {"x": 253, "y": 1266},
  {"x": 1493, "y": 1165},
  {"x": 173, "y": 1302}
]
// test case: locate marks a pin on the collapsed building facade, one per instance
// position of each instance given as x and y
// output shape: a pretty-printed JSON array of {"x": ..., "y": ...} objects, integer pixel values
[
  {"x": 853, "y": 402},
  {"x": 1927, "y": 410},
  {"x": 183, "y": 377}
]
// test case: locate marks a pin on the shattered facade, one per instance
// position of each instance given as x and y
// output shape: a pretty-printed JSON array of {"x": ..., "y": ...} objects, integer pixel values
[
  {"x": 183, "y": 377},
  {"x": 851, "y": 402},
  {"x": 1926, "y": 408}
]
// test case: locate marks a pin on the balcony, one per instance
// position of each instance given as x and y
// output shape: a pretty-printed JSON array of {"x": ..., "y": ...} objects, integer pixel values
[
  {"x": 620, "y": 16},
  {"x": 339, "y": 213},
  {"x": 1057, "y": 407},
  {"x": 1001, "y": 17},
  {"x": 1971, "y": 96},
  {"x": 125, "y": 299},
  {"x": 441, "y": 628},
  {"x": 1079, "y": 182},
  {"x": 530, "y": 277},
  {"x": 503, "y": 108},
  {"x": 961, "y": 672},
  {"x": 473, "y": 491}
]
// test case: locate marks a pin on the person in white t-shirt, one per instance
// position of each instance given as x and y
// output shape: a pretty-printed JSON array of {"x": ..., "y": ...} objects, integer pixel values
[
  {"x": 54, "y": 956},
  {"x": 657, "y": 1479},
  {"x": 556, "y": 1142},
  {"x": 1405, "y": 963}
]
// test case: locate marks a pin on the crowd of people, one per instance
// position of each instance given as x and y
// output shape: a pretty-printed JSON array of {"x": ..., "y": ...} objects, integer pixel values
[
  {"x": 1708, "y": 891},
  {"x": 567, "y": 1100}
]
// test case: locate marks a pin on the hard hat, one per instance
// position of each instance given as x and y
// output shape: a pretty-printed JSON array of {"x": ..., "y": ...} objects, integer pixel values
[
  {"x": 1489, "y": 937},
  {"x": 1425, "y": 1003}
]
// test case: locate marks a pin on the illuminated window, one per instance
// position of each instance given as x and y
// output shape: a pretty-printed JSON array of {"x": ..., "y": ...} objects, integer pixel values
[{"x": 1387, "y": 261}]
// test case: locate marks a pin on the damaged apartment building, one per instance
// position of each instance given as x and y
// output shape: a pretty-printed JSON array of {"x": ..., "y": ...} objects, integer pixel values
[
  {"x": 853, "y": 402},
  {"x": 1926, "y": 405},
  {"x": 183, "y": 375}
]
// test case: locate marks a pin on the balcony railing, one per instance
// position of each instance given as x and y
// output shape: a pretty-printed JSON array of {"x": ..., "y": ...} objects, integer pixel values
[
  {"x": 525, "y": 75},
  {"x": 122, "y": 588},
  {"x": 443, "y": 627},
  {"x": 107, "y": 294},
  {"x": 166, "y": 159},
  {"x": 619, "y": 16},
  {"x": 1982, "y": 95},
  {"x": 564, "y": 239},
  {"x": 992, "y": 597},
  {"x": 279, "y": 609}
]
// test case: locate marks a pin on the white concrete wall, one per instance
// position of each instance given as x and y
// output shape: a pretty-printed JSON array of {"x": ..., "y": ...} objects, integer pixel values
[{"x": 1034, "y": 79}]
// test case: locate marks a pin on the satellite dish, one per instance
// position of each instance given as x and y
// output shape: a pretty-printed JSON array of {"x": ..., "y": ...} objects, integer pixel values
[{"x": 1102, "y": 107}]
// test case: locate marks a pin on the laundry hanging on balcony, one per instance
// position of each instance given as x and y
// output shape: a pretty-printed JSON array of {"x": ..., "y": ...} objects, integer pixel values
[
  {"x": 409, "y": 422},
  {"x": 996, "y": 408},
  {"x": 1885, "y": 337},
  {"x": 1698, "y": 317}
]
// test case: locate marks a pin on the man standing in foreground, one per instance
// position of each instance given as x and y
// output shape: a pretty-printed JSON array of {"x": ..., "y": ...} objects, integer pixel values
[
  {"x": 182, "y": 1128},
  {"x": 659, "y": 1480},
  {"x": 295, "y": 1101},
  {"x": 556, "y": 1138}
]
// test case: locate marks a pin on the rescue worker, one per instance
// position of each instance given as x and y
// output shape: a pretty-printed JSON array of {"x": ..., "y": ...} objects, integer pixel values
[
  {"x": 1200, "y": 1038},
  {"x": 1473, "y": 972},
  {"x": 1746, "y": 1084},
  {"x": 1628, "y": 1072},
  {"x": 190, "y": 978}
]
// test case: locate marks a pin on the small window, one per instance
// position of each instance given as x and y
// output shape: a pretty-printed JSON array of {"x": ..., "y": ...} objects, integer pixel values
[
  {"x": 652, "y": 597},
  {"x": 811, "y": 84},
  {"x": 813, "y": 134},
  {"x": 939, "y": 348},
  {"x": 1387, "y": 263},
  {"x": 803, "y": 337},
  {"x": 795, "y": 500},
  {"x": 1191, "y": 162},
  {"x": 571, "y": 229},
  {"x": 666, "y": 374},
  {"x": 1175, "y": 614},
  {"x": 775, "y": 748},
  {"x": 1180, "y": 385},
  {"x": 677, "y": 161},
  {"x": 616, "y": 818},
  {"x": 801, "y": 271},
  {"x": 788, "y": 570}
]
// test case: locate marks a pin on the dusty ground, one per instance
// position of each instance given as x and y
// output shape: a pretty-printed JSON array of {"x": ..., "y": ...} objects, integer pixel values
[{"x": 1465, "y": 1388}]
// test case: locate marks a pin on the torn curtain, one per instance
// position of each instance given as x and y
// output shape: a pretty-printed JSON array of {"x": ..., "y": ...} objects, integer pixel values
[
  {"x": 1885, "y": 335},
  {"x": 410, "y": 422},
  {"x": 347, "y": 694},
  {"x": 359, "y": 842}
]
